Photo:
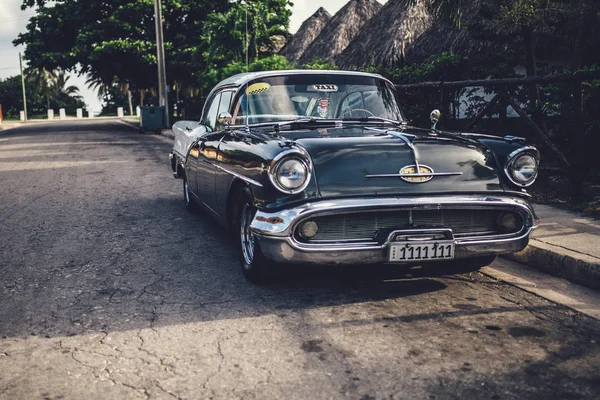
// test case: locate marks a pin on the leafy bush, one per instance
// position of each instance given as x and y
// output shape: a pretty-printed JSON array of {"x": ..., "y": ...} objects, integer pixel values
[{"x": 319, "y": 64}]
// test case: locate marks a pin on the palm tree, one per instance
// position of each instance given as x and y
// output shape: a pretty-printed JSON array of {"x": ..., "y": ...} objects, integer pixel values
[
  {"x": 95, "y": 83},
  {"x": 43, "y": 80},
  {"x": 59, "y": 86}
]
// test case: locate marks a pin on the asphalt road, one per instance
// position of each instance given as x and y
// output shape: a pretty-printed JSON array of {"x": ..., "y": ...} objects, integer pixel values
[{"x": 109, "y": 289}]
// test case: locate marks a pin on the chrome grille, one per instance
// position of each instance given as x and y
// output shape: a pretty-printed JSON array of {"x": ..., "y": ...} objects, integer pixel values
[{"x": 365, "y": 226}]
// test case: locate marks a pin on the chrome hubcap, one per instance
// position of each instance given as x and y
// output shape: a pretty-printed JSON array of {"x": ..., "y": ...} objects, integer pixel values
[{"x": 246, "y": 236}]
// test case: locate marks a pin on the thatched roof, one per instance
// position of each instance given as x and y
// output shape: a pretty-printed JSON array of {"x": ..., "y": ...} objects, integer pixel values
[
  {"x": 383, "y": 40},
  {"x": 553, "y": 43},
  {"x": 309, "y": 30},
  {"x": 466, "y": 41},
  {"x": 341, "y": 29}
]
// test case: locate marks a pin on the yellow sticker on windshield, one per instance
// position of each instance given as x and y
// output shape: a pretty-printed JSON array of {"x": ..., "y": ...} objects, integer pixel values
[{"x": 256, "y": 88}]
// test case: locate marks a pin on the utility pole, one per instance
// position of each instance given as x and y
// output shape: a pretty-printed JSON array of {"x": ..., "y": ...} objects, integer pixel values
[
  {"x": 23, "y": 84},
  {"x": 160, "y": 55}
]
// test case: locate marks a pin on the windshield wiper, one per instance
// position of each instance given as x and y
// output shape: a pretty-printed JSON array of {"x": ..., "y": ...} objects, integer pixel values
[
  {"x": 301, "y": 120},
  {"x": 374, "y": 118}
]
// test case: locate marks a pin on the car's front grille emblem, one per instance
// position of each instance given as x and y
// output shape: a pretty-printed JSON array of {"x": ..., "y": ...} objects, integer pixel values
[{"x": 416, "y": 173}]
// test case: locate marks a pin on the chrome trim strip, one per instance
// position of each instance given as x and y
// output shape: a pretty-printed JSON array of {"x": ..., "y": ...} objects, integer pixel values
[
  {"x": 413, "y": 175},
  {"x": 400, "y": 135},
  {"x": 512, "y": 139},
  {"x": 404, "y": 138},
  {"x": 287, "y": 219},
  {"x": 242, "y": 177},
  {"x": 371, "y": 246},
  {"x": 377, "y": 246},
  {"x": 458, "y": 236},
  {"x": 390, "y": 132}
]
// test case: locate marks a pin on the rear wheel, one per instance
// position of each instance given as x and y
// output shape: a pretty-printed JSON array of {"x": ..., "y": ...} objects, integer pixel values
[
  {"x": 190, "y": 205},
  {"x": 255, "y": 266}
]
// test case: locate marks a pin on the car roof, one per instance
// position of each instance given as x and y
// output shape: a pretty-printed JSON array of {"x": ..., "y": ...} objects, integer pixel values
[{"x": 241, "y": 79}]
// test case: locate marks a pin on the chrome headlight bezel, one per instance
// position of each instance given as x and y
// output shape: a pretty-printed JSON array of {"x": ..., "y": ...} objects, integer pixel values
[
  {"x": 276, "y": 163},
  {"x": 514, "y": 157}
]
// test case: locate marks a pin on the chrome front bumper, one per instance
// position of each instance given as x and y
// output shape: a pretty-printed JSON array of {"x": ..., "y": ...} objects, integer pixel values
[{"x": 274, "y": 231}]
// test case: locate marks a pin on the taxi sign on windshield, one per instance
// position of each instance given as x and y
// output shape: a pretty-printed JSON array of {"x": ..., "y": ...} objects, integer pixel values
[{"x": 323, "y": 88}]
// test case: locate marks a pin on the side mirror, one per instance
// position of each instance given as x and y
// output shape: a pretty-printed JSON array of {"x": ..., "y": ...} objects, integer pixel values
[
  {"x": 435, "y": 117},
  {"x": 224, "y": 118}
]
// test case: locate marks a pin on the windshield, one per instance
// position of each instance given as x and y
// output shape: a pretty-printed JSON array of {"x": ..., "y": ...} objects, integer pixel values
[{"x": 339, "y": 97}]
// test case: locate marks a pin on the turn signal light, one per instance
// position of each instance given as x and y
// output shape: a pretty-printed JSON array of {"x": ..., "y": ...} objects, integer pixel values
[
  {"x": 507, "y": 222},
  {"x": 308, "y": 229}
]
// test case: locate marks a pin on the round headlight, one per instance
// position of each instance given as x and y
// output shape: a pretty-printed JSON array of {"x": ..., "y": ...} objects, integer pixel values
[
  {"x": 522, "y": 169},
  {"x": 290, "y": 174}
]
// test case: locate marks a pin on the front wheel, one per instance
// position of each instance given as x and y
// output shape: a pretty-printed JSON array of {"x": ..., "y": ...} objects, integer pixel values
[{"x": 255, "y": 266}]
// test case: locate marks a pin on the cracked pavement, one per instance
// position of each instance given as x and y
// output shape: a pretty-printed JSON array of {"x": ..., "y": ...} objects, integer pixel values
[{"x": 110, "y": 289}]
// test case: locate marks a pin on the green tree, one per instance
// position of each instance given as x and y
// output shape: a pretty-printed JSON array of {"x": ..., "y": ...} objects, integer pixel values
[
  {"x": 67, "y": 34},
  {"x": 246, "y": 29},
  {"x": 113, "y": 97},
  {"x": 11, "y": 96},
  {"x": 319, "y": 64},
  {"x": 60, "y": 95},
  {"x": 274, "y": 62}
]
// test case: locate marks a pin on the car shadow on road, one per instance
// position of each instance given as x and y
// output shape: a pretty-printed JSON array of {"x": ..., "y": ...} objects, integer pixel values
[
  {"x": 130, "y": 263},
  {"x": 136, "y": 262}
]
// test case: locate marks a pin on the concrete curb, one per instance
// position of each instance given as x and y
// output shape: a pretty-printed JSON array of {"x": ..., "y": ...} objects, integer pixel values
[
  {"x": 163, "y": 132},
  {"x": 130, "y": 124},
  {"x": 575, "y": 267}
]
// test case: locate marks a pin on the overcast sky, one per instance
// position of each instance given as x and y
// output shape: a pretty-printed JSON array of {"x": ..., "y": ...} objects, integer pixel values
[{"x": 13, "y": 21}]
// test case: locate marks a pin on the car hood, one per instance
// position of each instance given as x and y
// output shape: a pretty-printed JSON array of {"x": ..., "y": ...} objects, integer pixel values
[{"x": 344, "y": 158}]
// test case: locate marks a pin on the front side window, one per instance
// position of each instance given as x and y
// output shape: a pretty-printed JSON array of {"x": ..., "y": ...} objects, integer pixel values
[
  {"x": 315, "y": 96},
  {"x": 219, "y": 103},
  {"x": 210, "y": 119}
]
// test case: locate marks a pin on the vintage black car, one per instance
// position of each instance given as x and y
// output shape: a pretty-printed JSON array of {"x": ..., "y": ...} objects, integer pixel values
[{"x": 321, "y": 167}]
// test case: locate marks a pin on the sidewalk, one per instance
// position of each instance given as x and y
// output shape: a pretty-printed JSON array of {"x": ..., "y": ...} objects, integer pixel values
[
  {"x": 6, "y": 125},
  {"x": 565, "y": 244}
]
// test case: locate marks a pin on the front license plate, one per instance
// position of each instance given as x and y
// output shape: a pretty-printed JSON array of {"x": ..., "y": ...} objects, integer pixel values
[{"x": 411, "y": 251}]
